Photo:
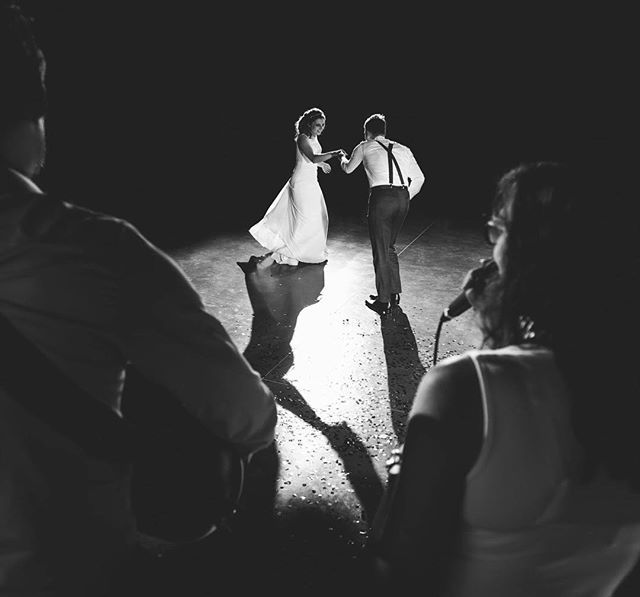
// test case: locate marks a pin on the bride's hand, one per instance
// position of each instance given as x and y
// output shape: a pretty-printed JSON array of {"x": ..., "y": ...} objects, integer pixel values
[{"x": 325, "y": 167}]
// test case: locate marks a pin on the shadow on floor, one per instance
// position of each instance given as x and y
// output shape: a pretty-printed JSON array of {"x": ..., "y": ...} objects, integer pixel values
[
  {"x": 404, "y": 368},
  {"x": 278, "y": 294}
]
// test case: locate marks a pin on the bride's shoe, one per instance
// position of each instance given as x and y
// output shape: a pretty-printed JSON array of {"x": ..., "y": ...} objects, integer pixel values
[
  {"x": 281, "y": 259},
  {"x": 265, "y": 261}
]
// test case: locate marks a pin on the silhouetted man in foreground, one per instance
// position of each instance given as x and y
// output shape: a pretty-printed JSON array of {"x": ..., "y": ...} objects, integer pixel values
[{"x": 93, "y": 296}]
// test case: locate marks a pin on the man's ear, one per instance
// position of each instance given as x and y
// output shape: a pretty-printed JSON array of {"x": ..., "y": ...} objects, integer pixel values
[{"x": 22, "y": 146}]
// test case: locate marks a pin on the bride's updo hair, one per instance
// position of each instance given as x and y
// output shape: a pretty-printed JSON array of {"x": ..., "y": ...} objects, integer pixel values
[{"x": 303, "y": 124}]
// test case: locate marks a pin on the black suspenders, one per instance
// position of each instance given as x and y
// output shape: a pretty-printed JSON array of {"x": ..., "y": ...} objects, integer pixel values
[{"x": 391, "y": 157}]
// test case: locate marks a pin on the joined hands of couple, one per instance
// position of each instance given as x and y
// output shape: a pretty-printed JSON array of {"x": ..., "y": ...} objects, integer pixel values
[{"x": 338, "y": 153}]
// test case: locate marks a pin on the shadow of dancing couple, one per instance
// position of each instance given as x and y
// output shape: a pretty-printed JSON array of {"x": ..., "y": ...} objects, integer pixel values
[{"x": 278, "y": 294}]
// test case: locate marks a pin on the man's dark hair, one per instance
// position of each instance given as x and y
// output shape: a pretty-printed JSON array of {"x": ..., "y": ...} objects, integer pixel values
[
  {"x": 22, "y": 68},
  {"x": 376, "y": 124}
]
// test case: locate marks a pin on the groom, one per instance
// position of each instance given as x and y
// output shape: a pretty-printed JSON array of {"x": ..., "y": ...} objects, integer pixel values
[{"x": 394, "y": 179}]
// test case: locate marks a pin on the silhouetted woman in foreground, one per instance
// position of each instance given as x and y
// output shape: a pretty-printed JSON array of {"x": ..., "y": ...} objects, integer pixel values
[{"x": 518, "y": 471}]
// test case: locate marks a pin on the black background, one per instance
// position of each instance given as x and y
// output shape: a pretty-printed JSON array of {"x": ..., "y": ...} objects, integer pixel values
[{"x": 180, "y": 116}]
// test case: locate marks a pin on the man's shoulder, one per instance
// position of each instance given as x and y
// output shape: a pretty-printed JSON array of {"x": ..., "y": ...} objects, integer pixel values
[
  {"x": 387, "y": 143},
  {"x": 52, "y": 219},
  {"x": 117, "y": 241},
  {"x": 399, "y": 145},
  {"x": 78, "y": 217},
  {"x": 75, "y": 211},
  {"x": 369, "y": 144},
  {"x": 359, "y": 148}
]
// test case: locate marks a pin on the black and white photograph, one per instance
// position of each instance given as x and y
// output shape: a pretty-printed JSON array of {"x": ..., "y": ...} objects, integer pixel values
[{"x": 318, "y": 300}]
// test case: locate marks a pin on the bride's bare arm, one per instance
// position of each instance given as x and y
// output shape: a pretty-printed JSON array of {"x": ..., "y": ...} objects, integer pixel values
[{"x": 305, "y": 148}]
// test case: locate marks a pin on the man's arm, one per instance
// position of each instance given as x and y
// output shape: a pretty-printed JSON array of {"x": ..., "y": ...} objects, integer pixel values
[
  {"x": 172, "y": 340},
  {"x": 350, "y": 164},
  {"x": 416, "y": 175}
]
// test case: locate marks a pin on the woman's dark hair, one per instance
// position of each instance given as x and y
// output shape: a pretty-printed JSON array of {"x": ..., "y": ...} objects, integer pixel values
[
  {"x": 303, "y": 124},
  {"x": 571, "y": 261},
  {"x": 22, "y": 68}
]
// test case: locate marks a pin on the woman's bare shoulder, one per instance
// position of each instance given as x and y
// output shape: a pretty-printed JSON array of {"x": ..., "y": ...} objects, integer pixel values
[{"x": 447, "y": 388}]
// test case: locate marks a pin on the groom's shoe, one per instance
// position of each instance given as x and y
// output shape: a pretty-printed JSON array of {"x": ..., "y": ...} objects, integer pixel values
[
  {"x": 380, "y": 308},
  {"x": 395, "y": 299}
]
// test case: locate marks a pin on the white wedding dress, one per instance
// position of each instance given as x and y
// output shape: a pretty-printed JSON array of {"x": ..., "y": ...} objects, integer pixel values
[{"x": 295, "y": 226}]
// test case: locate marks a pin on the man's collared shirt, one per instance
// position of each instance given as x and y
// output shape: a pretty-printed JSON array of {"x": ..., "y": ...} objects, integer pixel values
[{"x": 376, "y": 164}]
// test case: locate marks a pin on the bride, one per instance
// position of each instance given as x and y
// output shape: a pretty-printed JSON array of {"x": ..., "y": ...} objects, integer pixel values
[{"x": 294, "y": 228}]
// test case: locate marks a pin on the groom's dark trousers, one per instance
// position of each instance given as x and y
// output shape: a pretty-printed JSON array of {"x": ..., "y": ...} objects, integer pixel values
[{"x": 388, "y": 208}]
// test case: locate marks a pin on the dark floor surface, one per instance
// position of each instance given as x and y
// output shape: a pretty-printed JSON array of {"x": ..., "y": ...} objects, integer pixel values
[{"x": 344, "y": 380}]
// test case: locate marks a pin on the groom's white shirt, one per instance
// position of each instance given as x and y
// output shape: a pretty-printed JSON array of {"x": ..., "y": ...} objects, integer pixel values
[{"x": 376, "y": 164}]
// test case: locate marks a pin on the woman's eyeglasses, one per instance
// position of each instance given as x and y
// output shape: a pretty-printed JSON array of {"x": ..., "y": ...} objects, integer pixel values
[{"x": 493, "y": 230}]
